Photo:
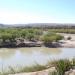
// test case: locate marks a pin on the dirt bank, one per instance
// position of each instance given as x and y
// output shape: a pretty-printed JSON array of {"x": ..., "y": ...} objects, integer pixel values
[{"x": 44, "y": 72}]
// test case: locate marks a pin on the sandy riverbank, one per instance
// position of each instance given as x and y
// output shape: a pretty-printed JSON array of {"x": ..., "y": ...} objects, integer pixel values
[
  {"x": 67, "y": 43},
  {"x": 43, "y": 72}
]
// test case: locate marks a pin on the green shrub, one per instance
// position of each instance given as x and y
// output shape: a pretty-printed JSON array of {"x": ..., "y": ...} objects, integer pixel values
[
  {"x": 53, "y": 73},
  {"x": 51, "y": 37},
  {"x": 62, "y": 66},
  {"x": 73, "y": 63}
]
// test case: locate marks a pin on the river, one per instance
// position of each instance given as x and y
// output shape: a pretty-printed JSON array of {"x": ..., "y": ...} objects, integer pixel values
[{"x": 29, "y": 56}]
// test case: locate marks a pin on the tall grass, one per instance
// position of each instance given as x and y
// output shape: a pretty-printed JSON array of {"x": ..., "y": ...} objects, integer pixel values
[
  {"x": 22, "y": 69},
  {"x": 53, "y": 73},
  {"x": 73, "y": 63},
  {"x": 61, "y": 66}
]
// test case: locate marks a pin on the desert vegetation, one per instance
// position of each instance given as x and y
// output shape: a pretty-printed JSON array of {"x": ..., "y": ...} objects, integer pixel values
[
  {"x": 63, "y": 30},
  {"x": 51, "y": 37},
  {"x": 9, "y": 36}
]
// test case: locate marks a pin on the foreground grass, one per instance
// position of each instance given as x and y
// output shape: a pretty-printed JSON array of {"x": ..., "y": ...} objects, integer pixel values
[
  {"x": 61, "y": 66},
  {"x": 22, "y": 69},
  {"x": 53, "y": 73}
]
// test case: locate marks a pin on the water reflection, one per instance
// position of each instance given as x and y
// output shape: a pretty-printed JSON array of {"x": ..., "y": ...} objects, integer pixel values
[
  {"x": 6, "y": 53},
  {"x": 42, "y": 50},
  {"x": 29, "y": 56},
  {"x": 51, "y": 51},
  {"x": 28, "y": 51}
]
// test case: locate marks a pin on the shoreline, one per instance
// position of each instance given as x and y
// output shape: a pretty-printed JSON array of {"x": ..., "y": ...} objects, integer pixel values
[
  {"x": 67, "y": 65},
  {"x": 43, "y": 72},
  {"x": 64, "y": 43},
  {"x": 60, "y": 44}
]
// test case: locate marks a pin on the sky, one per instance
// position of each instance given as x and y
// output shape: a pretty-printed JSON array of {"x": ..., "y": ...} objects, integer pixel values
[{"x": 37, "y": 11}]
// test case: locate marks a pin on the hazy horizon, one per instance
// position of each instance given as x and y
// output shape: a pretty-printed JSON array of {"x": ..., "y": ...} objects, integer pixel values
[
  {"x": 37, "y": 11},
  {"x": 30, "y": 24}
]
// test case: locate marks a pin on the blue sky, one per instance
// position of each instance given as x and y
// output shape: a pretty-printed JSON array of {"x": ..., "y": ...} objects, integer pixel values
[{"x": 37, "y": 11}]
